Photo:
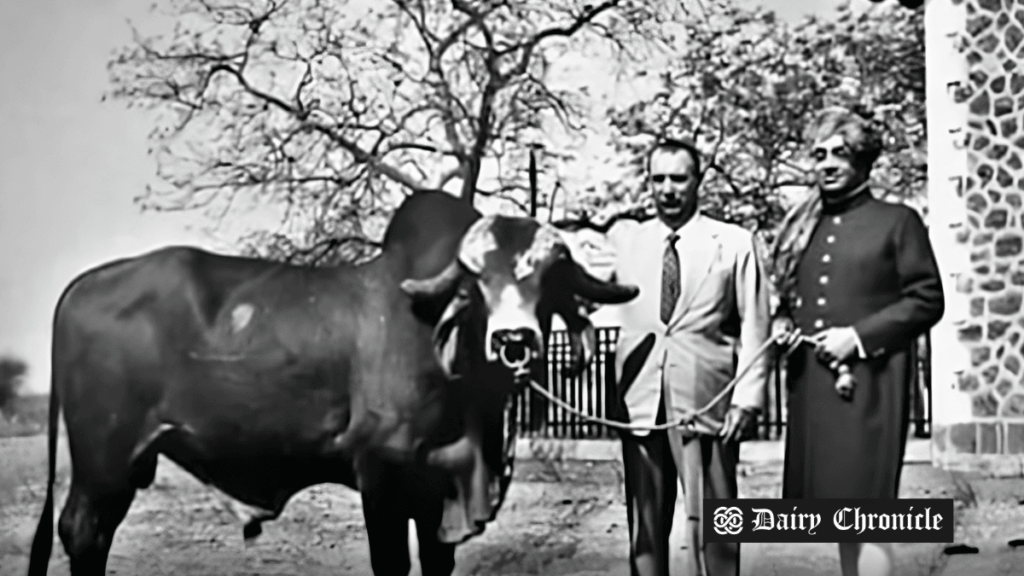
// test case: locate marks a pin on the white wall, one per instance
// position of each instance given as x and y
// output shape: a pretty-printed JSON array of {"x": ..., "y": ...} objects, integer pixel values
[{"x": 947, "y": 167}]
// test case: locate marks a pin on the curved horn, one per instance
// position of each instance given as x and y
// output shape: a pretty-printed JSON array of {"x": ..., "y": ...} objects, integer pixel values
[
  {"x": 436, "y": 285},
  {"x": 598, "y": 291}
]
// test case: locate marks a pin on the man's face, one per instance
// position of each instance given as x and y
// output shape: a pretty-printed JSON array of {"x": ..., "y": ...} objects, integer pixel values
[
  {"x": 674, "y": 182},
  {"x": 835, "y": 168}
]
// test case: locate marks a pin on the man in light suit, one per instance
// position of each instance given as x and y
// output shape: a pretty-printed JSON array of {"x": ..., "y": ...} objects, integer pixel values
[{"x": 701, "y": 315}]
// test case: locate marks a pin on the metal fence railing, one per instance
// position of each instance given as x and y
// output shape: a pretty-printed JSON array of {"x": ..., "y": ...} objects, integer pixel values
[{"x": 593, "y": 391}]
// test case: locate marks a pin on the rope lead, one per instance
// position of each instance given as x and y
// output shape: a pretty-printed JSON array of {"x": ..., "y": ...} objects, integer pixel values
[{"x": 843, "y": 386}]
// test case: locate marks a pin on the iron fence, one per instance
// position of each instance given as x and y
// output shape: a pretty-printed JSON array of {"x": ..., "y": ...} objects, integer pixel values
[{"x": 593, "y": 391}]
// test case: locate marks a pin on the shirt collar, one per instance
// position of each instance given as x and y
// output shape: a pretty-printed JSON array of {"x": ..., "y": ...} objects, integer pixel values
[{"x": 664, "y": 232}]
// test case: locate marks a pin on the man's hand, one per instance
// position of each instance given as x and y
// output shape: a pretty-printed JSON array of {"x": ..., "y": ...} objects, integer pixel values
[
  {"x": 835, "y": 345},
  {"x": 781, "y": 325},
  {"x": 736, "y": 421},
  {"x": 785, "y": 327}
]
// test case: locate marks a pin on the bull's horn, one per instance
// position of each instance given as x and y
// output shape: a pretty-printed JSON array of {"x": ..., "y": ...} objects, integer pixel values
[
  {"x": 436, "y": 285},
  {"x": 599, "y": 291}
]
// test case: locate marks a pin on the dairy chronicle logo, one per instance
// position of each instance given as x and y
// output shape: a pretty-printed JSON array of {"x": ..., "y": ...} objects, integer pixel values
[{"x": 728, "y": 520}]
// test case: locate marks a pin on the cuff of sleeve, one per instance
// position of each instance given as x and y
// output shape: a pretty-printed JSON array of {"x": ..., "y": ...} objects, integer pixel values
[
  {"x": 752, "y": 410},
  {"x": 860, "y": 345}
]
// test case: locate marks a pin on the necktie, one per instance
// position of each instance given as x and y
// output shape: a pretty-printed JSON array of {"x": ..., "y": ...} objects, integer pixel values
[{"x": 669, "y": 279}]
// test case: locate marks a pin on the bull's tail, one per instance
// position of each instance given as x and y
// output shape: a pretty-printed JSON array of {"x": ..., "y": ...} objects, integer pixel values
[{"x": 42, "y": 544}]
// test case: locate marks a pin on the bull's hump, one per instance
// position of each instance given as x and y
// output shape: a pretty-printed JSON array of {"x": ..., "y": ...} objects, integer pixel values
[{"x": 515, "y": 235}]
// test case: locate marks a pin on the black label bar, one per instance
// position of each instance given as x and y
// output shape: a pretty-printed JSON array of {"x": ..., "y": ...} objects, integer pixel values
[{"x": 828, "y": 520}]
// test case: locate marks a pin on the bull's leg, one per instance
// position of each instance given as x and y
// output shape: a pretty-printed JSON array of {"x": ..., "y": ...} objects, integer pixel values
[
  {"x": 464, "y": 459},
  {"x": 437, "y": 558},
  {"x": 388, "y": 533},
  {"x": 87, "y": 525},
  {"x": 386, "y": 516}
]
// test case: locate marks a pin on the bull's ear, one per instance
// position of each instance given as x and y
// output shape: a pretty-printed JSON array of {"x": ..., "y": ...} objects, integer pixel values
[
  {"x": 582, "y": 347},
  {"x": 582, "y": 338},
  {"x": 446, "y": 335}
]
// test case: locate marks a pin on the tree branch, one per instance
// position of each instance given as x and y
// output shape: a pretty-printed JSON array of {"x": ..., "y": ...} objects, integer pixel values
[
  {"x": 324, "y": 247},
  {"x": 352, "y": 148},
  {"x": 589, "y": 14}
]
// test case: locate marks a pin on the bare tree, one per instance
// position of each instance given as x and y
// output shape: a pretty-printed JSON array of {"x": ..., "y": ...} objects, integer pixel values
[{"x": 332, "y": 110}]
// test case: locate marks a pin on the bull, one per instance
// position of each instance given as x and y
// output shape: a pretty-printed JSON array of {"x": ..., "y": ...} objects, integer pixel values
[{"x": 395, "y": 377}]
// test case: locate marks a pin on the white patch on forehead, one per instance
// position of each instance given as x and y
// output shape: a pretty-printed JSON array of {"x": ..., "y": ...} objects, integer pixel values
[
  {"x": 477, "y": 241},
  {"x": 241, "y": 316},
  {"x": 544, "y": 242}
]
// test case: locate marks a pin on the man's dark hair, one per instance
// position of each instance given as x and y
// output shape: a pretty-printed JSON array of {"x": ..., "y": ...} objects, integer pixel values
[{"x": 674, "y": 145}]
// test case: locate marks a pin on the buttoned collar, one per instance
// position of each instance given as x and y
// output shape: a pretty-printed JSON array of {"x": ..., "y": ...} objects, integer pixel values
[{"x": 847, "y": 204}]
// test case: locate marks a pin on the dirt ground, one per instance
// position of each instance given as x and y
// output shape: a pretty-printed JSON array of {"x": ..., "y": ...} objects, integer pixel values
[{"x": 565, "y": 519}]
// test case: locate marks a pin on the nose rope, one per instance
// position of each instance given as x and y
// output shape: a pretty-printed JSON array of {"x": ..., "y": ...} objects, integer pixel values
[
  {"x": 794, "y": 339},
  {"x": 518, "y": 367},
  {"x": 525, "y": 359}
]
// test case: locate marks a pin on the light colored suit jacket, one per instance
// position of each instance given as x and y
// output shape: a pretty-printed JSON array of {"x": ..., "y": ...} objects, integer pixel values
[{"x": 720, "y": 320}]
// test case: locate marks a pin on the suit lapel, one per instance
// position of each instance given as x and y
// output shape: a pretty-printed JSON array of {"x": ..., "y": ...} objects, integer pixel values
[{"x": 699, "y": 249}]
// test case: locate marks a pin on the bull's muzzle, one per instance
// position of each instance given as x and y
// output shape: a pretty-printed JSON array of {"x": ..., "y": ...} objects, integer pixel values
[{"x": 516, "y": 349}]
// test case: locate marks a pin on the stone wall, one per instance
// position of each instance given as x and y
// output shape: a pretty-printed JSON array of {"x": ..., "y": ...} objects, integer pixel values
[{"x": 991, "y": 196}]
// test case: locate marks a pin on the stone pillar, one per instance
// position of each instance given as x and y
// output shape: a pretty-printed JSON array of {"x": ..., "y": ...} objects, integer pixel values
[{"x": 975, "y": 150}]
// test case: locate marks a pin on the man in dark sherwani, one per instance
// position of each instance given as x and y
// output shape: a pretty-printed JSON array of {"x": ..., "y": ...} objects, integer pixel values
[{"x": 858, "y": 276}]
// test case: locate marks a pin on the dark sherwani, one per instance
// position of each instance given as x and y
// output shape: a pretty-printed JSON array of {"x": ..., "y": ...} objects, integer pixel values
[{"x": 869, "y": 264}]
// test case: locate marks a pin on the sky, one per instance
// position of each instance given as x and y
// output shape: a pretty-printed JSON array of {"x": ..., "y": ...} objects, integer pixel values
[{"x": 71, "y": 164}]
